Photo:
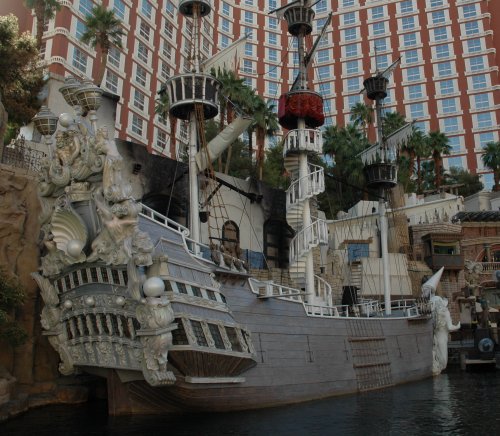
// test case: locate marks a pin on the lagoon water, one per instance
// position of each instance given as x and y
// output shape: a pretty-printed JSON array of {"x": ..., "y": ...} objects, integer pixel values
[{"x": 456, "y": 403}]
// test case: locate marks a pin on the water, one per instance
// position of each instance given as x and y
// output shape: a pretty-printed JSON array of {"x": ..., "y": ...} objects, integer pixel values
[{"x": 452, "y": 404}]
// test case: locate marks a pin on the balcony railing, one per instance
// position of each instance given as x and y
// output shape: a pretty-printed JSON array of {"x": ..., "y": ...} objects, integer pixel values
[
  {"x": 310, "y": 140},
  {"x": 307, "y": 238},
  {"x": 306, "y": 187}
]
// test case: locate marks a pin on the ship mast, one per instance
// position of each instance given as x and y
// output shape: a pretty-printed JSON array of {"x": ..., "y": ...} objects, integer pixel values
[
  {"x": 193, "y": 96},
  {"x": 301, "y": 111}
]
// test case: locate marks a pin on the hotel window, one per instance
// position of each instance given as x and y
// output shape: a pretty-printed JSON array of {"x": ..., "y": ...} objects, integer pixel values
[
  {"x": 142, "y": 52},
  {"x": 485, "y": 138},
  {"x": 481, "y": 101},
  {"x": 350, "y": 34},
  {"x": 352, "y": 100},
  {"x": 320, "y": 22},
  {"x": 469, "y": 11},
  {"x": 479, "y": 81},
  {"x": 170, "y": 8},
  {"x": 272, "y": 55},
  {"x": 169, "y": 29},
  {"x": 249, "y": 2},
  {"x": 224, "y": 41},
  {"x": 353, "y": 84},
  {"x": 161, "y": 140},
  {"x": 321, "y": 6},
  {"x": 136, "y": 124},
  {"x": 226, "y": 25},
  {"x": 406, "y": 6},
  {"x": 409, "y": 39},
  {"x": 380, "y": 44},
  {"x": 471, "y": 27},
  {"x": 81, "y": 28},
  {"x": 438, "y": 17},
  {"x": 119, "y": 9},
  {"x": 323, "y": 56},
  {"x": 417, "y": 110},
  {"x": 441, "y": 34},
  {"x": 325, "y": 89},
  {"x": 473, "y": 45},
  {"x": 349, "y": 18},
  {"x": 147, "y": 9},
  {"x": 323, "y": 41},
  {"x": 165, "y": 71},
  {"x": 414, "y": 92},
  {"x": 347, "y": 3},
  {"x": 80, "y": 60},
  {"x": 450, "y": 125},
  {"x": 139, "y": 99},
  {"x": 167, "y": 50},
  {"x": 248, "y": 17},
  {"x": 351, "y": 50},
  {"x": 413, "y": 74},
  {"x": 454, "y": 143},
  {"x": 446, "y": 87},
  {"x": 442, "y": 51},
  {"x": 273, "y": 23},
  {"x": 476, "y": 63},
  {"x": 352, "y": 67},
  {"x": 377, "y": 12},
  {"x": 484, "y": 120},
  {"x": 410, "y": 56},
  {"x": 381, "y": 62},
  {"x": 408, "y": 23},
  {"x": 272, "y": 4},
  {"x": 272, "y": 88},
  {"x": 378, "y": 28},
  {"x": 435, "y": 3},
  {"x": 248, "y": 49},
  {"x": 455, "y": 162},
  {"x": 420, "y": 125},
  {"x": 272, "y": 72},
  {"x": 112, "y": 81},
  {"x": 247, "y": 66},
  {"x": 145, "y": 30},
  {"x": 141, "y": 76},
  {"x": 85, "y": 7},
  {"x": 324, "y": 72},
  {"x": 272, "y": 38},
  {"x": 449, "y": 105},
  {"x": 226, "y": 9},
  {"x": 444, "y": 69}
]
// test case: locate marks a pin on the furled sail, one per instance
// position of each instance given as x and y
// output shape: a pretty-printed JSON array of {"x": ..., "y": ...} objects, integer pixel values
[
  {"x": 226, "y": 59},
  {"x": 219, "y": 144}
]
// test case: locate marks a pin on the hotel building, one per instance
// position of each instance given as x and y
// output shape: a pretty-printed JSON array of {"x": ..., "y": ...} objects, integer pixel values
[{"x": 448, "y": 78}]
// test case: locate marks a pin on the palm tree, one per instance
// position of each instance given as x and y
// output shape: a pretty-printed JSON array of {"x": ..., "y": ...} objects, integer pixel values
[
  {"x": 103, "y": 31},
  {"x": 266, "y": 124},
  {"x": 391, "y": 122},
  {"x": 44, "y": 10},
  {"x": 422, "y": 152},
  {"x": 491, "y": 159},
  {"x": 439, "y": 144},
  {"x": 362, "y": 115},
  {"x": 230, "y": 95},
  {"x": 162, "y": 106}
]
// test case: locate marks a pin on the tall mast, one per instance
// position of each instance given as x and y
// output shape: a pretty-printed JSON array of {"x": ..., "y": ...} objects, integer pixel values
[
  {"x": 193, "y": 96},
  {"x": 301, "y": 111}
]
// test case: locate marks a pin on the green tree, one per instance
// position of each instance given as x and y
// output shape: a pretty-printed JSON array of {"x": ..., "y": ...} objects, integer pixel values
[
  {"x": 439, "y": 144},
  {"x": 21, "y": 76},
  {"x": 103, "y": 32},
  {"x": 392, "y": 121},
  {"x": 422, "y": 152},
  {"x": 274, "y": 170},
  {"x": 266, "y": 124},
  {"x": 470, "y": 183},
  {"x": 491, "y": 159},
  {"x": 362, "y": 115},
  {"x": 44, "y": 10},
  {"x": 11, "y": 297}
]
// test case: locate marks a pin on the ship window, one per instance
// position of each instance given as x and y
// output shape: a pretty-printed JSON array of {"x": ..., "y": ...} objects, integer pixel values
[
  {"x": 168, "y": 286},
  {"x": 233, "y": 338},
  {"x": 196, "y": 291},
  {"x": 179, "y": 336},
  {"x": 277, "y": 236},
  {"x": 75, "y": 278},
  {"x": 85, "y": 278},
  {"x": 181, "y": 287},
  {"x": 125, "y": 277},
  {"x": 105, "y": 275},
  {"x": 356, "y": 251},
  {"x": 93, "y": 274},
  {"x": 199, "y": 334},
  {"x": 116, "y": 276},
  {"x": 211, "y": 295},
  {"x": 217, "y": 337},
  {"x": 67, "y": 282},
  {"x": 222, "y": 297},
  {"x": 68, "y": 330}
]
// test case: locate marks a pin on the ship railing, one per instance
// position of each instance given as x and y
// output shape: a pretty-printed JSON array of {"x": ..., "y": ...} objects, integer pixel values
[
  {"x": 308, "y": 237},
  {"x": 323, "y": 289},
  {"x": 407, "y": 306},
  {"x": 490, "y": 266},
  {"x": 269, "y": 289},
  {"x": 163, "y": 220},
  {"x": 306, "y": 186},
  {"x": 303, "y": 140}
]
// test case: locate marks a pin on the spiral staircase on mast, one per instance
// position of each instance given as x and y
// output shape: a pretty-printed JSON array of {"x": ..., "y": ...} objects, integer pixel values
[{"x": 301, "y": 112}]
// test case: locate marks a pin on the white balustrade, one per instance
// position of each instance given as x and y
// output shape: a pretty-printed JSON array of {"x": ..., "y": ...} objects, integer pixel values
[
  {"x": 306, "y": 187},
  {"x": 323, "y": 289},
  {"x": 305, "y": 239},
  {"x": 157, "y": 217},
  {"x": 303, "y": 140}
]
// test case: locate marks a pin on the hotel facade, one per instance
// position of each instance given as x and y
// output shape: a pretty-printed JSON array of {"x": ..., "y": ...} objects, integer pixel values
[{"x": 448, "y": 78}]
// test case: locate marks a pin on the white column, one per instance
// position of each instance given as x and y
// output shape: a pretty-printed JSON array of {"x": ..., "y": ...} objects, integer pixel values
[
  {"x": 194, "y": 209},
  {"x": 385, "y": 255}
]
